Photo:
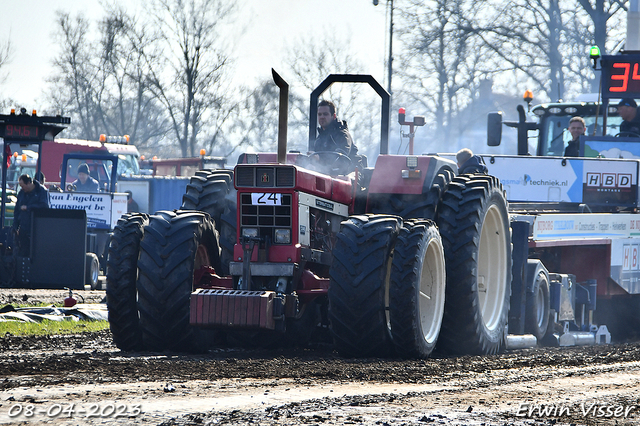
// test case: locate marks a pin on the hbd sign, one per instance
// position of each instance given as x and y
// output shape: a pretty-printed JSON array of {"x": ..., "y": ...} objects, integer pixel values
[
  {"x": 608, "y": 180},
  {"x": 630, "y": 257}
]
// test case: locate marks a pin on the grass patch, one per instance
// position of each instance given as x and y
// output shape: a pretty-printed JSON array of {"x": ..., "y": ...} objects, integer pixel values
[
  {"x": 35, "y": 305},
  {"x": 49, "y": 328}
]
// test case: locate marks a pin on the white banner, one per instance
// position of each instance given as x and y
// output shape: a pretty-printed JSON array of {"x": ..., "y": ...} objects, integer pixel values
[
  {"x": 103, "y": 210},
  {"x": 591, "y": 225}
]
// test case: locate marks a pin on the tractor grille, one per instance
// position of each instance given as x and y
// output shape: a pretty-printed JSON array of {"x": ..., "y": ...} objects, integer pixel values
[
  {"x": 266, "y": 218},
  {"x": 285, "y": 177},
  {"x": 244, "y": 176},
  {"x": 265, "y": 177}
]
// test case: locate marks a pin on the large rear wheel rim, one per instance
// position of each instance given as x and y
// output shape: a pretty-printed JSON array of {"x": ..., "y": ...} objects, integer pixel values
[
  {"x": 540, "y": 306},
  {"x": 387, "y": 296},
  {"x": 94, "y": 273},
  {"x": 492, "y": 268},
  {"x": 432, "y": 291}
]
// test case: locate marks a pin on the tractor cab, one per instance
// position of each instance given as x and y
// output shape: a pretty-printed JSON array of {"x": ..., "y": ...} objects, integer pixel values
[{"x": 103, "y": 168}]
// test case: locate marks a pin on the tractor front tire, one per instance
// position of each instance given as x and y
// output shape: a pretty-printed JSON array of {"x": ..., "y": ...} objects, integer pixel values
[
  {"x": 359, "y": 285},
  {"x": 417, "y": 293},
  {"x": 174, "y": 245},
  {"x": 122, "y": 274},
  {"x": 474, "y": 224}
]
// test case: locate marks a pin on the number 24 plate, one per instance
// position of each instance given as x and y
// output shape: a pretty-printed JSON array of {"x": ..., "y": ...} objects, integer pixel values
[{"x": 264, "y": 198}]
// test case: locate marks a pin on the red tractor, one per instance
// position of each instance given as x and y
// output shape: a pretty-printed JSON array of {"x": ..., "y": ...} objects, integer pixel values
[{"x": 389, "y": 259}]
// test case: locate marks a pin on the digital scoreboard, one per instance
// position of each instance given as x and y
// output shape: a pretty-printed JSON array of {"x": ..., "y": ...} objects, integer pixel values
[
  {"x": 16, "y": 131},
  {"x": 30, "y": 128},
  {"x": 621, "y": 76}
]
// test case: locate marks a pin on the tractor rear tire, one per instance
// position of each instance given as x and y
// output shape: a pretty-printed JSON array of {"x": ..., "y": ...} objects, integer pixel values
[
  {"x": 122, "y": 274},
  {"x": 428, "y": 207},
  {"x": 422, "y": 206},
  {"x": 92, "y": 271},
  {"x": 359, "y": 285},
  {"x": 417, "y": 294},
  {"x": 213, "y": 192},
  {"x": 474, "y": 225},
  {"x": 174, "y": 245},
  {"x": 538, "y": 300}
]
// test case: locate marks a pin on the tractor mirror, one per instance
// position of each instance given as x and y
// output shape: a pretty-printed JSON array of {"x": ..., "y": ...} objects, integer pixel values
[{"x": 494, "y": 128}]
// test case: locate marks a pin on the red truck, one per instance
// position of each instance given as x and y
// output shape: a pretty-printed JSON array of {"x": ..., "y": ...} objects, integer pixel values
[{"x": 54, "y": 150}]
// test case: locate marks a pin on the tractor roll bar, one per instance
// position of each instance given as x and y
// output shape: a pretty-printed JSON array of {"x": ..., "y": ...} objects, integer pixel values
[{"x": 352, "y": 78}]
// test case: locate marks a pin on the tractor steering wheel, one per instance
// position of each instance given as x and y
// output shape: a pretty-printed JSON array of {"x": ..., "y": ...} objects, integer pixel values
[
  {"x": 331, "y": 162},
  {"x": 627, "y": 135}
]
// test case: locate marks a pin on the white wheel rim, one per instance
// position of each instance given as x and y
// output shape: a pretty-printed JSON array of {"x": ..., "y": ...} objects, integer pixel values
[
  {"x": 94, "y": 273},
  {"x": 387, "y": 294},
  {"x": 539, "y": 308},
  {"x": 492, "y": 268},
  {"x": 432, "y": 291}
]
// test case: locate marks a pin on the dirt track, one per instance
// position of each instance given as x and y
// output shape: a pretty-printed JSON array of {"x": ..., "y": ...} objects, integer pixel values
[{"x": 588, "y": 385}]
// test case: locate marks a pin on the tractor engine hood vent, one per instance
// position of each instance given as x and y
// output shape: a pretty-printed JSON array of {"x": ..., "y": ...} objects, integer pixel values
[{"x": 265, "y": 177}]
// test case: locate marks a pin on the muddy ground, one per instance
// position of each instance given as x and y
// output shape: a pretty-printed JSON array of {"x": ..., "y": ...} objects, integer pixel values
[{"x": 84, "y": 379}]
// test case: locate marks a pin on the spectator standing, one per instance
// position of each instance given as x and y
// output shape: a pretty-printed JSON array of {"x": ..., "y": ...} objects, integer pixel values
[{"x": 32, "y": 196}]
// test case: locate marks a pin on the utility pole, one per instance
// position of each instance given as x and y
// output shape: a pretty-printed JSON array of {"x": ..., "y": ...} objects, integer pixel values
[
  {"x": 390, "y": 59},
  {"x": 390, "y": 43}
]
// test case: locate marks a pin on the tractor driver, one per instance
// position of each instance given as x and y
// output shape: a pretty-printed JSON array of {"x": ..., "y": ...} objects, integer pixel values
[
  {"x": 333, "y": 134},
  {"x": 85, "y": 183},
  {"x": 628, "y": 110},
  {"x": 577, "y": 127},
  {"x": 32, "y": 195}
]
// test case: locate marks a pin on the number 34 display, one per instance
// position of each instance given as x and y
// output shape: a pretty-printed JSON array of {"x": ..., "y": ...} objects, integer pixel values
[{"x": 621, "y": 76}]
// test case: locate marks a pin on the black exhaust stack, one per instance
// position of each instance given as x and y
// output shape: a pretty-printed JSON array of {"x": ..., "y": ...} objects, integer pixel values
[{"x": 283, "y": 116}]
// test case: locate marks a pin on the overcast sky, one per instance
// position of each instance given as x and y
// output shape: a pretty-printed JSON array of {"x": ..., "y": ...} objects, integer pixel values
[{"x": 272, "y": 26}]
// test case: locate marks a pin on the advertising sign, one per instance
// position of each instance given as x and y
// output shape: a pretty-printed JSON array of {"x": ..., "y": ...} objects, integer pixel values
[
  {"x": 103, "y": 210},
  {"x": 595, "y": 182},
  {"x": 593, "y": 225},
  {"x": 625, "y": 264}
]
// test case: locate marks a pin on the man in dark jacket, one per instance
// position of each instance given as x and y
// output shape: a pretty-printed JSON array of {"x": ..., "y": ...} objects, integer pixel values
[
  {"x": 628, "y": 110},
  {"x": 333, "y": 134},
  {"x": 470, "y": 163},
  {"x": 577, "y": 127},
  {"x": 32, "y": 195},
  {"x": 85, "y": 183}
]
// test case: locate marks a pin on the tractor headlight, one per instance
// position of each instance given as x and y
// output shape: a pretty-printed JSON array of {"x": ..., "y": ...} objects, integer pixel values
[
  {"x": 283, "y": 236},
  {"x": 250, "y": 232}
]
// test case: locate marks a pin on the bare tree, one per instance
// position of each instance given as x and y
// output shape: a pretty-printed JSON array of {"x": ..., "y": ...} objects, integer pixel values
[
  {"x": 5, "y": 57},
  {"x": 191, "y": 87},
  {"x": 603, "y": 28},
  {"x": 444, "y": 60},
  {"x": 74, "y": 85},
  {"x": 601, "y": 13},
  {"x": 547, "y": 41},
  {"x": 256, "y": 126},
  {"x": 125, "y": 100},
  {"x": 530, "y": 37},
  {"x": 103, "y": 84}
]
